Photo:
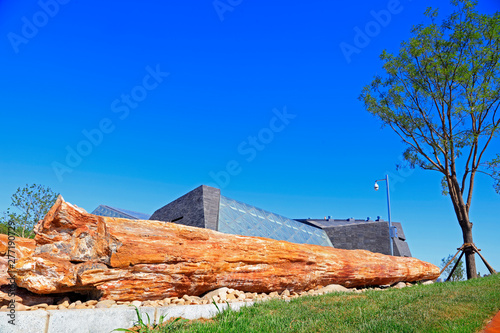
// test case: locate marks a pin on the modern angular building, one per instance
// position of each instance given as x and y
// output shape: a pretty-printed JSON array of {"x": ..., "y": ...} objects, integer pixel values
[
  {"x": 205, "y": 207},
  {"x": 351, "y": 234}
]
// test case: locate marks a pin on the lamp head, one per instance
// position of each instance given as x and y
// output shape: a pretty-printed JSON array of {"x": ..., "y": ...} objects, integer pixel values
[{"x": 376, "y": 186}]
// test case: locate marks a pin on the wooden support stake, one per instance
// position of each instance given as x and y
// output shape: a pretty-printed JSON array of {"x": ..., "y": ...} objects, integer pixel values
[
  {"x": 456, "y": 264},
  {"x": 449, "y": 262},
  {"x": 492, "y": 271}
]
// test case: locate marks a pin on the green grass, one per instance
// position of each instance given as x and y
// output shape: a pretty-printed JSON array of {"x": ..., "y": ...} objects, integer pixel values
[{"x": 442, "y": 307}]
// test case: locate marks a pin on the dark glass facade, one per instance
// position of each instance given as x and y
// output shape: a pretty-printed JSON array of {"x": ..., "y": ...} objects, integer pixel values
[
  {"x": 241, "y": 219},
  {"x": 104, "y": 210}
]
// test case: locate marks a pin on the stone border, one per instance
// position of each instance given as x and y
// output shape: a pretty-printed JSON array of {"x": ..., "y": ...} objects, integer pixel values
[{"x": 107, "y": 319}]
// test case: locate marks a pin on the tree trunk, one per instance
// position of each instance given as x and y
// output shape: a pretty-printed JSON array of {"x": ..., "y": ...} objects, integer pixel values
[
  {"x": 463, "y": 219},
  {"x": 470, "y": 259}
]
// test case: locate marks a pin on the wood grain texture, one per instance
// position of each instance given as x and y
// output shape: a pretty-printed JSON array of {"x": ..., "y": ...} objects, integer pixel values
[{"x": 19, "y": 248}]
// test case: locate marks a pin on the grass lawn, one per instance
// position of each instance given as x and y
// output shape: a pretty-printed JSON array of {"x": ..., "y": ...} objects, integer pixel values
[{"x": 441, "y": 307}]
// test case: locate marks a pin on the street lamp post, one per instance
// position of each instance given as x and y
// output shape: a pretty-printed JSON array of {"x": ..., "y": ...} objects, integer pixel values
[{"x": 388, "y": 209}]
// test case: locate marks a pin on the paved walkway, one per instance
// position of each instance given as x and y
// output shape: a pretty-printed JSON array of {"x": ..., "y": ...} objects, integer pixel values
[{"x": 494, "y": 325}]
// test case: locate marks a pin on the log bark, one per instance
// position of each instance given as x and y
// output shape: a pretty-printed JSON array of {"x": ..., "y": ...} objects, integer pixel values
[{"x": 125, "y": 260}]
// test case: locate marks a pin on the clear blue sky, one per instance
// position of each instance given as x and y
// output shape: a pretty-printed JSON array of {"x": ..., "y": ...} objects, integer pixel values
[{"x": 159, "y": 97}]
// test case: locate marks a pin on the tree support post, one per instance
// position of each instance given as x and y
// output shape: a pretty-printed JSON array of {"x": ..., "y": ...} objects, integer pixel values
[{"x": 462, "y": 249}]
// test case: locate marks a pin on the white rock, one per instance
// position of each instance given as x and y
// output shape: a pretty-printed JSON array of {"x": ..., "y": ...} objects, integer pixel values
[
  {"x": 399, "y": 285},
  {"x": 104, "y": 304},
  {"x": 331, "y": 288},
  {"x": 221, "y": 292}
]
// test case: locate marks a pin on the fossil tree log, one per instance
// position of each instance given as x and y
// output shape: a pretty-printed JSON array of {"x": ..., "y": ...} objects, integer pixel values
[
  {"x": 11, "y": 251},
  {"x": 122, "y": 259}
]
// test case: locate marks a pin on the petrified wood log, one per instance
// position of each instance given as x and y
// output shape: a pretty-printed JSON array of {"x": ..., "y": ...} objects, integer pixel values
[
  {"x": 127, "y": 260},
  {"x": 19, "y": 246},
  {"x": 15, "y": 250}
]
